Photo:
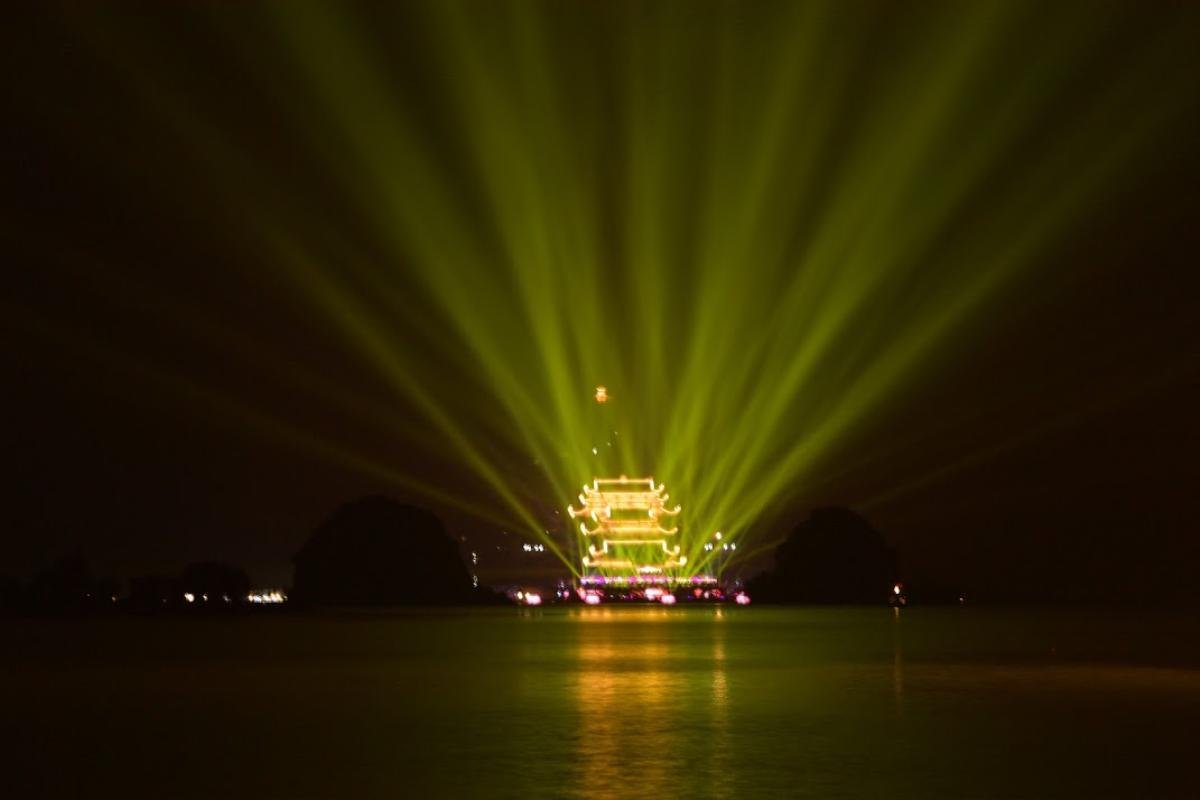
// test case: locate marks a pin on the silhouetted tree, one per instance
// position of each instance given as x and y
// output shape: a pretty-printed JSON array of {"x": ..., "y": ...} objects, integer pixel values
[
  {"x": 220, "y": 583},
  {"x": 379, "y": 552},
  {"x": 67, "y": 585},
  {"x": 834, "y": 556}
]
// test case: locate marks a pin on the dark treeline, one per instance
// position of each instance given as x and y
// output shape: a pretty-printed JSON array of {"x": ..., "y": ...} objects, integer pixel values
[
  {"x": 379, "y": 552},
  {"x": 68, "y": 586},
  {"x": 371, "y": 552}
]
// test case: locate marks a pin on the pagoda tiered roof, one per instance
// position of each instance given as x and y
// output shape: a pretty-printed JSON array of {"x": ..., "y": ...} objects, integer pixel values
[{"x": 615, "y": 508}]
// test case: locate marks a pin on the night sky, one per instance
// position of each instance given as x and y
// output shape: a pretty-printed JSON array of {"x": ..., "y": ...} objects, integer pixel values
[{"x": 263, "y": 259}]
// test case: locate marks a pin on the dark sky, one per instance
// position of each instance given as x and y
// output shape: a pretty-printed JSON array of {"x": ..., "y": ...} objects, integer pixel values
[{"x": 1058, "y": 449}]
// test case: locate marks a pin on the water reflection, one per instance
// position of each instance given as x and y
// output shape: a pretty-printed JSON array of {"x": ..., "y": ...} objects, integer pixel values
[
  {"x": 641, "y": 688},
  {"x": 753, "y": 703},
  {"x": 897, "y": 662},
  {"x": 720, "y": 765}
]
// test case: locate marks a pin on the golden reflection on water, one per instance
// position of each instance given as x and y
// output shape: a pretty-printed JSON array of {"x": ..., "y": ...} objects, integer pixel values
[
  {"x": 637, "y": 670},
  {"x": 897, "y": 662},
  {"x": 721, "y": 764}
]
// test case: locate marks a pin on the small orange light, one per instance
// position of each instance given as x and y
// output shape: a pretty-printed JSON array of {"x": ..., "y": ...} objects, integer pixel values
[{"x": 601, "y": 394}]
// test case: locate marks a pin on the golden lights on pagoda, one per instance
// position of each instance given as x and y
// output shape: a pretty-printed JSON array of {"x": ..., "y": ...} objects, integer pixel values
[{"x": 622, "y": 522}]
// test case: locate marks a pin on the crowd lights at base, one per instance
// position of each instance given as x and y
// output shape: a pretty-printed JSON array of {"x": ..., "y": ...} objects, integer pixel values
[
  {"x": 526, "y": 598},
  {"x": 266, "y": 597},
  {"x": 629, "y": 595}
]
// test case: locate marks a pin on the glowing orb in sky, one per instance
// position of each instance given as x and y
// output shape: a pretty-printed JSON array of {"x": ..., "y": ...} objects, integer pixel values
[{"x": 601, "y": 394}]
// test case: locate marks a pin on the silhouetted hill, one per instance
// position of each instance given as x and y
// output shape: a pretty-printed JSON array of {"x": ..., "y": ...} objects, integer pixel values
[
  {"x": 376, "y": 551},
  {"x": 834, "y": 556}
]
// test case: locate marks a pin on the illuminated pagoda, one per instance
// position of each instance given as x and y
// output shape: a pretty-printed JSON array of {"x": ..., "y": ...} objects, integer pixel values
[{"x": 629, "y": 535}]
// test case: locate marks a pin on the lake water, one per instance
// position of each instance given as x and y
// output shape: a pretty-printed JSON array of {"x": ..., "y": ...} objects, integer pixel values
[{"x": 630, "y": 702}]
